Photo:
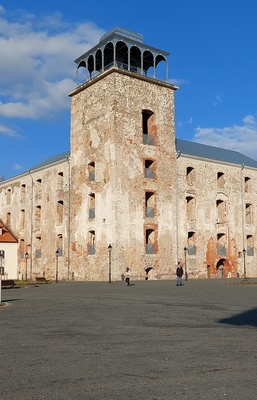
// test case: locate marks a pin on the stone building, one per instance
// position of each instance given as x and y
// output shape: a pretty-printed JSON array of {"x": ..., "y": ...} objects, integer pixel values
[{"x": 128, "y": 193}]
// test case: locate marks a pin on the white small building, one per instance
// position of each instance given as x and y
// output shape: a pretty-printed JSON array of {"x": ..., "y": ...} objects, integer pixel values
[{"x": 8, "y": 253}]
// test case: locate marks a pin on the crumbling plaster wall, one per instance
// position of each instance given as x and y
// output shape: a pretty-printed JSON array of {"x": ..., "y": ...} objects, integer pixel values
[
  {"x": 206, "y": 191},
  {"x": 38, "y": 190}
]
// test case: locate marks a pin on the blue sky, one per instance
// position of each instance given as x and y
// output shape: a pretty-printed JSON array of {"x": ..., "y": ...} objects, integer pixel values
[{"x": 213, "y": 60}]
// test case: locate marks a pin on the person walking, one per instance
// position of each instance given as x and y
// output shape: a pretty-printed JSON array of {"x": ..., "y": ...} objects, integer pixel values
[
  {"x": 127, "y": 276},
  {"x": 179, "y": 273}
]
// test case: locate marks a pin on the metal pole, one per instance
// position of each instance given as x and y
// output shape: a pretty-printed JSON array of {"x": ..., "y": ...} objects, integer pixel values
[
  {"x": 110, "y": 263},
  {"x": 1, "y": 282},
  {"x": 185, "y": 252},
  {"x": 26, "y": 275},
  {"x": 56, "y": 271},
  {"x": 244, "y": 263}
]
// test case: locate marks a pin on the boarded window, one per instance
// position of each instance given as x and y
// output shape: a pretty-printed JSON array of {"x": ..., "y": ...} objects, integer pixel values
[
  {"x": 250, "y": 247},
  {"x": 148, "y": 127},
  {"x": 91, "y": 171},
  {"x": 150, "y": 237},
  {"x": 191, "y": 243},
  {"x": 91, "y": 242},
  {"x": 247, "y": 184},
  {"x": 190, "y": 175},
  {"x": 149, "y": 204},
  {"x": 221, "y": 244},
  {"x": 220, "y": 180},
  {"x": 191, "y": 209},
  {"x": 248, "y": 213},
  {"x": 221, "y": 211},
  {"x": 149, "y": 169},
  {"x": 91, "y": 203}
]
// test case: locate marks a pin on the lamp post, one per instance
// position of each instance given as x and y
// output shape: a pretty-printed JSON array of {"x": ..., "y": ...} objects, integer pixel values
[
  {"x": 56, "y": 269},
  {"x": 110, "y": 262},
  {"x": 244, "y": 251},
  {"x": 26, "y": 258},
  {"x": 185, "y": 253}
]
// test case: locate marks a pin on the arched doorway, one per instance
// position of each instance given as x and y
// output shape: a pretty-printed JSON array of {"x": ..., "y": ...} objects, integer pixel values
[{"x": 220, "y": 268}]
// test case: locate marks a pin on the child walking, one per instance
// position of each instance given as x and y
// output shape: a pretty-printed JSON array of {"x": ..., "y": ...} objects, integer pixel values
[{"x": 127, "y": 276}]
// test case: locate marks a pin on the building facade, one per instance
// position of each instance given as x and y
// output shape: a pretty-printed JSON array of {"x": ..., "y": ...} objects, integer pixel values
[{"x": 128, "y": 193}]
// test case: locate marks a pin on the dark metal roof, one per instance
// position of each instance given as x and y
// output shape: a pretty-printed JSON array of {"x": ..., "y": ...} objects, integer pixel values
[
  {"x": 51, "y": 160},
  {"x": 184, "y": 147},
  {"x": 213, "y": 153}
]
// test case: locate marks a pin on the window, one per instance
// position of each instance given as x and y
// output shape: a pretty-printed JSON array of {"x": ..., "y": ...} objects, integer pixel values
[
  {"x": 22, "y": 247},
  {"x": 91, "y": 171},
  {"x": 150, "y": 236},
  {"x": 190, "y": 175},
  {"x": 38, "y": 217},
  {"x": 149, "y": 169},
  {"x": 248, "y": 213},
  {"x": 250, "y": 249},
  {"x": 149, "y": 204},
  {"x": 148, "y": 127},
  {"x": 8, "y": 218},
  {"x": 247, "y": 184},
  {"x": 60, "y": 180},
  {"x": 8, "y": 196},
  {"x": 60, "y": 245},
  {"x": 22, "y": 219},
  {"x": 191, "y": 209},
  {"x": 91, "y": 243},
  {"x": 38, "y": 246},
  {"x": 23, "y": 193},
  {"x": 220, "y": 206},
  {"x": 221, "y": 243},
  {"x": 91, "y": 205},
  {"x": 191, "y": 246},
  {"x": 220, "y": 179},
  {"x": 60, "y": 211},
  {"x": 38, "y": 189}
]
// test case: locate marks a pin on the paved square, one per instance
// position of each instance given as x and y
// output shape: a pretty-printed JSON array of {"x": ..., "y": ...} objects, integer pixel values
[{"x": 152, "y": 340}]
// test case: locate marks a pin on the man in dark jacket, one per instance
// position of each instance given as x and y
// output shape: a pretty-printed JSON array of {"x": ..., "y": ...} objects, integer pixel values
[{"x": 179, "y": 274}]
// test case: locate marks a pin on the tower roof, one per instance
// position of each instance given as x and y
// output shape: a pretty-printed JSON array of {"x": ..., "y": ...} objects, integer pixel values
[{"x": 123, "y": 49}]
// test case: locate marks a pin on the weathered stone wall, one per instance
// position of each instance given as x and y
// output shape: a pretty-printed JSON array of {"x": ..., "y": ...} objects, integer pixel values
[
  {"x": 29, "y": 205},
  {"x": 214, "y": 184},
  {"x": 106, "y": 129}
]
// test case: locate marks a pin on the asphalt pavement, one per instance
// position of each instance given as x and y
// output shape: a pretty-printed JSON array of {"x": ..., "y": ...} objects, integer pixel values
[{"x": 149, "y": 341}]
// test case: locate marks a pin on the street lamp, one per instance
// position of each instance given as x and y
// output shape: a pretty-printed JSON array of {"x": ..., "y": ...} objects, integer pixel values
[
  {"x": 2, "y": 254},
  {"x": 244, "y": 251},
  {"x": 26, "y": 258},
  {"x": 185, "y": 253},
  {"x": 110, "y": 262},
  {"x": 56, "y": 269}
]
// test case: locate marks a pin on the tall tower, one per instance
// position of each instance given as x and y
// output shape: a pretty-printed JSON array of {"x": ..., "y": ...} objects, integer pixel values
[{"x": 123, "y": 191}]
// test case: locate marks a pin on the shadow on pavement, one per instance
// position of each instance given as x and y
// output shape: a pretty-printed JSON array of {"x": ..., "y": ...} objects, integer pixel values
[{"x": 246, "y": 318}]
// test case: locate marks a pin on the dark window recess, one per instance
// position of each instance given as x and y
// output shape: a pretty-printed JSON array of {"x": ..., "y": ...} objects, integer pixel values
[
  {"x": 91, "y": 249},
  {"x": 92, "y": 213},
  {"x": 149, "y": 212},
  {"x": 149, "y": 248},
  {"x": 191, "y": 250},
  {"x": 148, "y": 139}
]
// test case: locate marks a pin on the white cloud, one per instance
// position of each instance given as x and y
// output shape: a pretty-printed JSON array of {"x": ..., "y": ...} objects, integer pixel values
[
  {"x": 6, "y": 131},
  {"x": 242, "y": 138},
  {"x": 37, "y": 69}
]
